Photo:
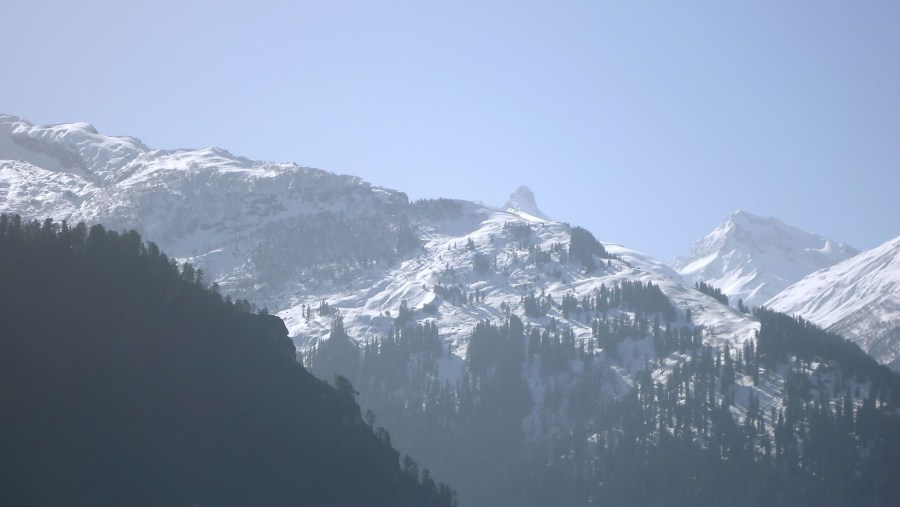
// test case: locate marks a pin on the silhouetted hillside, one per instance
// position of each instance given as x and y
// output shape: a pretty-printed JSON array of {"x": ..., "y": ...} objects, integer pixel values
[{"x": 124, "y": 381}]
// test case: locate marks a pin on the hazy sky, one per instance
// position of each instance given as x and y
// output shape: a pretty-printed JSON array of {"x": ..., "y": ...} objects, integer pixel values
[{"x": 645, "y": 122}]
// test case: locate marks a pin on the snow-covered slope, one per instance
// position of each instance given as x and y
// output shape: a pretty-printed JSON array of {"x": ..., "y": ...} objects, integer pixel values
[
  {"x": 243, "y": 222},
  {"x": 858, "y": 298},
  {"x": 753, "y": 258},
  {"x": 368, "y": 304},
  {"x": 290, "y": 237},
  {"x": 75, "y": 148},
  {"x": 447, "y": 264}
]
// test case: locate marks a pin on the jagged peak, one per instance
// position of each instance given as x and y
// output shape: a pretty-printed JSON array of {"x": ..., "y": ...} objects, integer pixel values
[
  {"x": 752, "y": 257},
  {"x": 523, "y": 201},
  {"x": 741, "y": 217},
  {"x": 744, "y": 227}
]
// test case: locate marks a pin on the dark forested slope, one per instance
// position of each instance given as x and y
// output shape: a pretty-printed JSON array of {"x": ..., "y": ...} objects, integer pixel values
[{"x": 124, "y": 381}]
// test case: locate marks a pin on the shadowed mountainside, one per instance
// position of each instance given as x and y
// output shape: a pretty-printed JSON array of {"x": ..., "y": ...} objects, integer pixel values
[{"x": 124, "y": 381}]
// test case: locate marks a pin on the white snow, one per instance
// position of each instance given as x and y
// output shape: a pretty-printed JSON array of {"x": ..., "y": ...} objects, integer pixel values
[
  {"x": 363, "y": 306},
  {"x": 753, "y": 258},
  {"x": 858, "y": 298}
]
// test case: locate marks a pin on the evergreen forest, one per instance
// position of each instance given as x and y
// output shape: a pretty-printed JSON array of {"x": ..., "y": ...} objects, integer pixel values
[
  {"x": 125, "y": 380},
  {"x": 534, "y": 420}
]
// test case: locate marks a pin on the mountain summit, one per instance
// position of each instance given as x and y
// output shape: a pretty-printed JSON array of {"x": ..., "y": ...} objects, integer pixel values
[
  {"x": 68, "y": 148},
  {"x": 753, "y": 258},
  {"x": 522, "y": 201}
]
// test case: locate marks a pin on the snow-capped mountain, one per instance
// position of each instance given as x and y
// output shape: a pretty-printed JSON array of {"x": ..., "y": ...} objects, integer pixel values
[
  {"x": 368, "y": 304},
  {"x": 858, "y": 298},
  {"x": 291, "y": 237},
  {"x": 522, "y": 201},
  {"x": 396, "y": 291},
  {"x": 247, "y": 224},
  {"x": 753, "y": 258}
]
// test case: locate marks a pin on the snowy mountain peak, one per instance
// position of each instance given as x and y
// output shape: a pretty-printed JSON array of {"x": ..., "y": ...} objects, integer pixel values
[
  {"x": 80, "y": 126},
  {"x": 288, "y": 236},
  {"x": 752, "y": 258},
  {"x": 858, "y": 298},
  {"x": 741, "y": 218},
  {"x": 522, "y": 202},
  {"x": 745, "y": 227},
  {"x": 74, "y": 148}
]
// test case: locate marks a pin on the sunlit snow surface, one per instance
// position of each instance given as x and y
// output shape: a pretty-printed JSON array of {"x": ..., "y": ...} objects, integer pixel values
[
  {"x": 858, "y": 298},
  {"x": 753, "y": 258},
  {"x": 203, "y": 205},
  {"x": 363, "y": 307}
]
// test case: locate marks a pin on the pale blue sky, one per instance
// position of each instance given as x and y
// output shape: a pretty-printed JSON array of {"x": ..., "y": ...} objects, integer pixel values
[{"x": 645, "y": 122}]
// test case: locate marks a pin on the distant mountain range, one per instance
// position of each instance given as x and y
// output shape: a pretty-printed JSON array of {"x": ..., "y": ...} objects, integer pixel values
[
  {"x": 224, "y": 213},
  {"x": 286, "y": 236},
  {"x": 484, "y": 338}
]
